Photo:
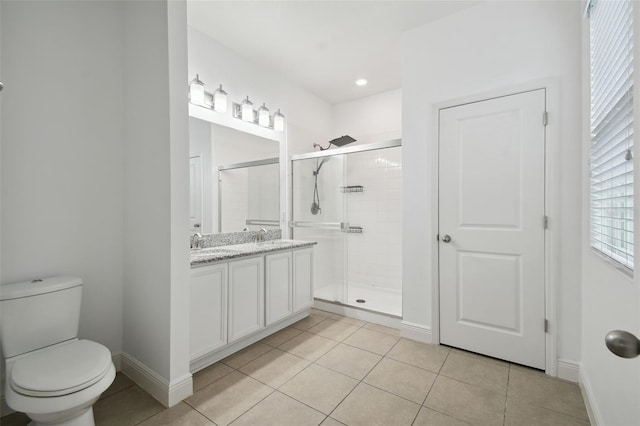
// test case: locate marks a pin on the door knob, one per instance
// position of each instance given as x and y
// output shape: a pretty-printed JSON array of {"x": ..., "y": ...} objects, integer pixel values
[
  {"x": 446, "y": 239},
  {"x": 623, "y": 343}
]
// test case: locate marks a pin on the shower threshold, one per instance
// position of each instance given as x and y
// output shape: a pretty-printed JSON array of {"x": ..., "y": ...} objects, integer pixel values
[{"x": 374, "y": 299}]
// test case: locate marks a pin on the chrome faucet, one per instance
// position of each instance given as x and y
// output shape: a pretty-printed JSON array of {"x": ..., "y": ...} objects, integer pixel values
[
  {"x": 196, "y": 241},
  {"x": 260, "y": 235}
]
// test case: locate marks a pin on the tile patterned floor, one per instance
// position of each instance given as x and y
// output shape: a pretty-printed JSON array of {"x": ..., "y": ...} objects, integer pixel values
[{"x": 332, "y": 370}]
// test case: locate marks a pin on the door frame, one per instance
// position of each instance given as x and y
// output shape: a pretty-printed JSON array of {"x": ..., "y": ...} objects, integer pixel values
[{"x": 551, "y": 207}]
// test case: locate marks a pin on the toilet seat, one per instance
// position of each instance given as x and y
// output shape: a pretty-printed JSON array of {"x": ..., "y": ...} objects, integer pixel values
[{"x": 61, "y": 370}]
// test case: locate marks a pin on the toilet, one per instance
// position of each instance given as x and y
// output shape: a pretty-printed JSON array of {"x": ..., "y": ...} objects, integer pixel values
[{"x": 51, "y": 375}]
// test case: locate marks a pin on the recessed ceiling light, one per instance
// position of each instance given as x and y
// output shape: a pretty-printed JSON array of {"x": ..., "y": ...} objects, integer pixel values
[{"x": 361, "y": 82}]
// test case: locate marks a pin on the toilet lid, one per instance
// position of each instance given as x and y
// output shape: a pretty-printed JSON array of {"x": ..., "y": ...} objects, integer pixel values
[{"x": 61, "y": 370}]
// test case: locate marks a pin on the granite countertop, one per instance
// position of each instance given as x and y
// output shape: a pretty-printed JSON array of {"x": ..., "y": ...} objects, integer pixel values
[{"x": 205, "y": 256}]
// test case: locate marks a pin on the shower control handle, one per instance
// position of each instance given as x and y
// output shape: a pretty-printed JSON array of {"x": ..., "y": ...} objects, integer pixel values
[{"x": 446, "y": 239}]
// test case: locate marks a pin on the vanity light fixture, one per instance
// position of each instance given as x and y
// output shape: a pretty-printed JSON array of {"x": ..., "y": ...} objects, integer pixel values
[
  {"x": 220, "y": 100},
  {"x": 216, "y": 101},
  {"x": 247, "y": 110},
  {"x": 196, "y": 91},
  {"x": 278, "y": 121},
  {"x": 244, "y": 111},
  {"x": 263, "y": 116}
]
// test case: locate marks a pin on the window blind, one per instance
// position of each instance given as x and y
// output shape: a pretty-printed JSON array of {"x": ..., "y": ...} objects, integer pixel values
[{"x": 611, "y": 160}]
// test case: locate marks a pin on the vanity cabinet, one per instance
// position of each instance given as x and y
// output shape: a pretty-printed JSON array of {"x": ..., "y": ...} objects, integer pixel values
[
  {"x": 278, "y": 286},
  {"x": 208, "y": 309},
  {"x": 236, "y": 303},
  {"x": 302, "y": 279},
  {"x": 246, "y": 297}
]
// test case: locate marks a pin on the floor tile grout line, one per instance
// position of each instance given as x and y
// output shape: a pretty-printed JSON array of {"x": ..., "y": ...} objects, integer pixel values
[
  {"x": 117, "y": 392},
  {"x": 261, "y": 399},
  {"x": 518, "y": 368},
  {"x": 506, "y": 397},
  {"x": 439, "y": 374},
  {"x": 151, "y": 416},
  {"x": 200, "y": 412},
  {"x": 430, "y": 387},
  {"x": 362, "y": 381}
]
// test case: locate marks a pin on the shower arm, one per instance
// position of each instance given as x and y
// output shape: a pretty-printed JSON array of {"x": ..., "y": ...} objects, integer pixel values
[{"x": 315, "y": 145}]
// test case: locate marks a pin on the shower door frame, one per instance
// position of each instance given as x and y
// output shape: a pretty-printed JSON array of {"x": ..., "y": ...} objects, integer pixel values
[{"x": 394, "y": 143}]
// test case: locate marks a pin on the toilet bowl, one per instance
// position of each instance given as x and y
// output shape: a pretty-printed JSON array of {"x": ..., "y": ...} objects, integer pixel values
[{"x": 51, "y": 375}]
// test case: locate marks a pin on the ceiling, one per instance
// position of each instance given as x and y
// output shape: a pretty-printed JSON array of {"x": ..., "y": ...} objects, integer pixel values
[{"x": 324, "y": 46}]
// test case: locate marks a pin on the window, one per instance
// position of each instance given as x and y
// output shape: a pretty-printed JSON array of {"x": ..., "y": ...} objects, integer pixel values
[{"x": 611, "y": 160}]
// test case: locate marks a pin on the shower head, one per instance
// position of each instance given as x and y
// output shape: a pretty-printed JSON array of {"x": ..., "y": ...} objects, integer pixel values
[{"x": 341, "y": 141}]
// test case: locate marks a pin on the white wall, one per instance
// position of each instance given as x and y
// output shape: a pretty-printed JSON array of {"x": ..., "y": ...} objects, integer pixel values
[
  {"x": 308, "y": 117},
  {"x": 62, "y": 152},
  {"x": 375, "y": 118},
  {"x": 610, "y": 298},
  {"x": 156, "y": 296},
  {"x": 492, "y": 46}
]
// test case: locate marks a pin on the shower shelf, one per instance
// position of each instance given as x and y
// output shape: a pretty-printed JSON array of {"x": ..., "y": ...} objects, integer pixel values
[
  {"x": 354, "y": 230},
  {"x": 352, "y": 188}
]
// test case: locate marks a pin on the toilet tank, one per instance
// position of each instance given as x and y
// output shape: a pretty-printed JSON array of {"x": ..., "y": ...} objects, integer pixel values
[{"x": 39, "y": 313}]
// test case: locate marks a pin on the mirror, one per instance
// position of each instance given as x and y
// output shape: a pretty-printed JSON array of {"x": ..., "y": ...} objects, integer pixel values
[{"x": 234, "y": 179}]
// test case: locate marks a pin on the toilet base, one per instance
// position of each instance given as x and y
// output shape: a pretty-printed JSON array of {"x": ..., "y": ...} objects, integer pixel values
[{"x": 79, "y": 417}]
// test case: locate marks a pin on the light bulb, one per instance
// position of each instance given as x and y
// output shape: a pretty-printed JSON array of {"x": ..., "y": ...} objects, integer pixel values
[
  {"x": 278, "y": 121},
  {"x": 196, "y": 91},
  {"x": 263, "y": 116},
  {"x": 247, "y": 110},
  {"x": 220, "y": 100}
]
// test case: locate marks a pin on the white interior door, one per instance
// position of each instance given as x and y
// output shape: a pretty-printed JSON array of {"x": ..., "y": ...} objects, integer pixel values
[
  {"x": 491, "y": 227},
  {"x": 195, "y": 194}
]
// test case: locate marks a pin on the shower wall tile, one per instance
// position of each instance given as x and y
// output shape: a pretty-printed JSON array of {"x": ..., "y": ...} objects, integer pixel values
[{"x": 375, "y": 256}]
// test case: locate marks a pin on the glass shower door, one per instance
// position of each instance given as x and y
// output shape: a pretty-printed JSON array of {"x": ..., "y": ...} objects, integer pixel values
[{"x": 318, "y": 215}]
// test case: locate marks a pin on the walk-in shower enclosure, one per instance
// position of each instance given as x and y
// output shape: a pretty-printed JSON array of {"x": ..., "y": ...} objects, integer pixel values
[{"x": 349, "y": 200}]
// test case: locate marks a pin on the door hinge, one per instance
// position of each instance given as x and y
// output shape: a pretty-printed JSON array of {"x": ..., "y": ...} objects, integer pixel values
[
  {"x": 545, "y": 222},
  {"x": 545, "y": 118},
  {"x": 546, "y": 325}
]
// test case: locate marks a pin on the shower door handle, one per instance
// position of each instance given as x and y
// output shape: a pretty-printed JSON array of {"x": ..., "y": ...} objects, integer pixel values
[{"x": 446, "y": 239}]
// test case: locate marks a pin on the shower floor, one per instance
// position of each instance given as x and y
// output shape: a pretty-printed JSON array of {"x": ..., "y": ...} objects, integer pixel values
[{"x": 379, "y": 299}]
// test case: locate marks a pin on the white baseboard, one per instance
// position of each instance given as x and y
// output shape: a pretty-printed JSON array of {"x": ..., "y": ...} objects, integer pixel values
[
  {"x": 417, "y": 332},
  {"x": 5, "y": 410},
  {"x": 117, "y": 361},
  {"x": 589, "y": 399},
  {"x": 168, "y": 394},
  {"x": 568, "y": 369}
]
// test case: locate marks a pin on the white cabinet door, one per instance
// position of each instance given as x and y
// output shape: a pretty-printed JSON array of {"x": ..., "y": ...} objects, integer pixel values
[
  {"x": 278, "y": 286},
  {"x": 302, "y": 279},
  {"x": 246, "y": 297},
  {"x": 208, "y": 309}
]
